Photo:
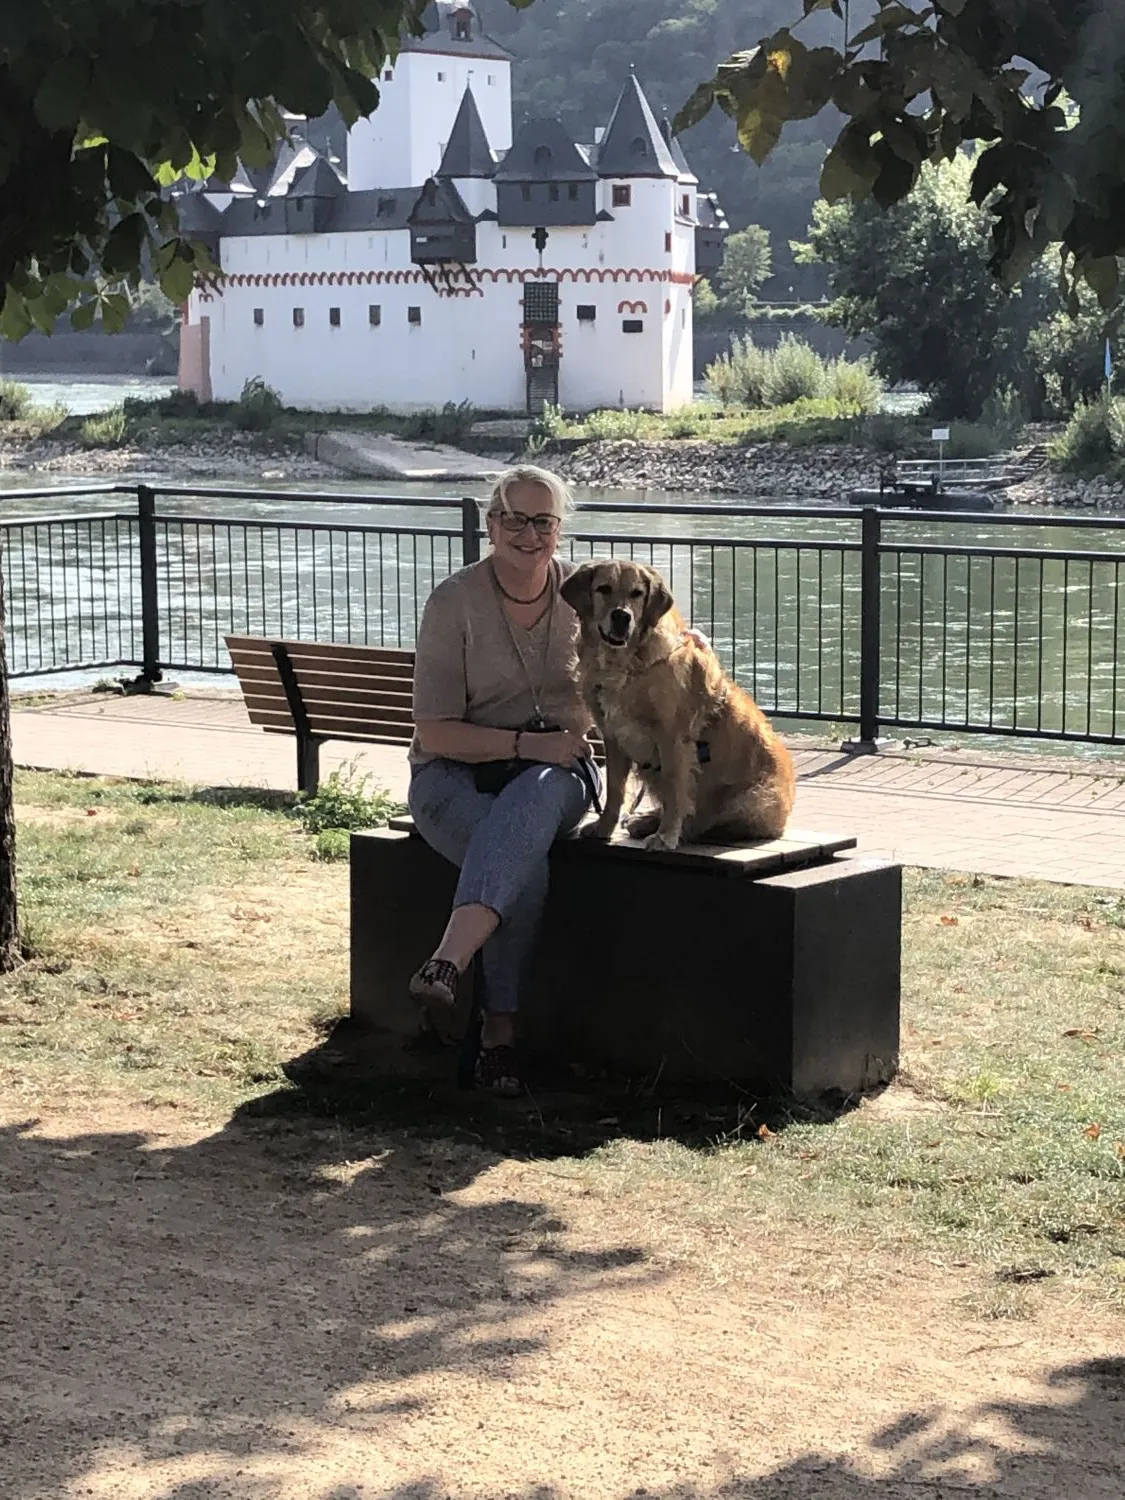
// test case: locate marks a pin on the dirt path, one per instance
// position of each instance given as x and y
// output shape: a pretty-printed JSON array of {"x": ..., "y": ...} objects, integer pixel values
[{"x": 282, "y": 1310}]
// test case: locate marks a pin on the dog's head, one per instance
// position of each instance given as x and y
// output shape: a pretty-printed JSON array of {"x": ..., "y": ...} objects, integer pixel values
[{"x": 619, "y": 601}]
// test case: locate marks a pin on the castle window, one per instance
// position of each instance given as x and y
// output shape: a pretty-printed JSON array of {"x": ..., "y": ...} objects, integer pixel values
[
  {"x": 639, "y": 146},
  {"x": 525, "y": 192},
  {"x": 632, "y": 325},
  {"x": 572, "y": 192},
  {"x": 491, "y": 80},
  {"x": 386, "y": 206},
  {"x": 414, "y": 316},
  {"x": 298, "y": 317},
  {"x": 542, "y": 155},
  {"x": 622, "y": 195},
  {"x": 334, "y": 317},
  {"x": 463, "y": 26},
  {"x": 259, "y": 317},
  {"x": 587, "y": 313},
  {"x": 553, "y": 192},
  {"x": 441, "y": 78},
  {"x": 685, "y": 205},
  {"x": 668, "y": 241},
  {"x": 388, "y": 74},
  {"x": 374, "y": 315}
]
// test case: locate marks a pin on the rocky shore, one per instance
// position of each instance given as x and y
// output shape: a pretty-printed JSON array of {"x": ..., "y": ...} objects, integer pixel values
[
  {"x": 232, "y": 456},
  {"x": 761, "y": 471}
]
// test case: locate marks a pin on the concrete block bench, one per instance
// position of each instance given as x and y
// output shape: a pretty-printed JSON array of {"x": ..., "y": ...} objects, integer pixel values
[{"x": 773, "y": 966}]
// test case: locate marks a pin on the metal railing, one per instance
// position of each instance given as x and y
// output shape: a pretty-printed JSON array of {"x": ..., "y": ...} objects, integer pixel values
[{"x": 1009, "y": 625}]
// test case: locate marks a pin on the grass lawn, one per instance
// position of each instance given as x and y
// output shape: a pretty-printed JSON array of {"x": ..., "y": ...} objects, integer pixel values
[{"x": 185, "y": 944}]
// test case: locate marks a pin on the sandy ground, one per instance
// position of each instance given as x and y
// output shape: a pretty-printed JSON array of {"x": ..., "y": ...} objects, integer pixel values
[{"x": 282, "y": 1310}]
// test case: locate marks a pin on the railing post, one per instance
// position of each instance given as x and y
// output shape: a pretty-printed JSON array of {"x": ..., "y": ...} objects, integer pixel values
[
  {"x": 870, "y": 627},
  {"x": 470, "y": 531},
  {"x": 150, "y": 599}
]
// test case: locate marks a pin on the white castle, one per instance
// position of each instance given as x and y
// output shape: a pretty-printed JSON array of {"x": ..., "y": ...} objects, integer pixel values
[{"x": 510, "y": 272}]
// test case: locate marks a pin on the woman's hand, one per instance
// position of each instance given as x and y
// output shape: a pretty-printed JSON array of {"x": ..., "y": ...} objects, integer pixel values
[{"x": 558, "y": 747}]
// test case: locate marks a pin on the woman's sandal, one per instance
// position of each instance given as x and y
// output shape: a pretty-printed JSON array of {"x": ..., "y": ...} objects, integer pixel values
[
  {"x": 436, "y": 983},
  {"x": 498, "y": 1071}
]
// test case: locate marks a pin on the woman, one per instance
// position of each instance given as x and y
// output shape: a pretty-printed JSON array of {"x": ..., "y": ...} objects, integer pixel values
[{"x": 500, "y": 761}]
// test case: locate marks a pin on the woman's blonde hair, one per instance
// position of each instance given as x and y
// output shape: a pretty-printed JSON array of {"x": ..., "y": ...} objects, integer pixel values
[{"x": 561, "y": 498}]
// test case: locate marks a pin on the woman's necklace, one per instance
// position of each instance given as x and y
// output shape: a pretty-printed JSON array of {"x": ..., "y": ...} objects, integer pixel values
[
  {"x": 514, "y": 598},
  {"x": 538, "y": 722}
]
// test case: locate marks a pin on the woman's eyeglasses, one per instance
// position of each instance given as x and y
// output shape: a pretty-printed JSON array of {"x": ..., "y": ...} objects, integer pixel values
[{"x": 514, "y": 521}]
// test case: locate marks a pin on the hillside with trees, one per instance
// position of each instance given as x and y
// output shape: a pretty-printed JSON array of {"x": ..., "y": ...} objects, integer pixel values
[{"x": 572, "y": 56}]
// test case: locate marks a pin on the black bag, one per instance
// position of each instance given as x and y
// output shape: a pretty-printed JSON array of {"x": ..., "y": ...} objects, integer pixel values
[{"x": 492, "y": 776}]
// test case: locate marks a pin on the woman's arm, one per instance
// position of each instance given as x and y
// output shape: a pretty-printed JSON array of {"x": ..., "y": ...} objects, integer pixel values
[{"x": 453, "y": 739}]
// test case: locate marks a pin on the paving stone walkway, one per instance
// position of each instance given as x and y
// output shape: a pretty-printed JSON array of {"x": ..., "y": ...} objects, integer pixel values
[{"x": 1019, "y": 814}]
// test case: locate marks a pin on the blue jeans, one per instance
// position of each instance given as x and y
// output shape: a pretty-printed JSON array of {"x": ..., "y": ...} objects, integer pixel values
[{"x": 500, "y": 844}]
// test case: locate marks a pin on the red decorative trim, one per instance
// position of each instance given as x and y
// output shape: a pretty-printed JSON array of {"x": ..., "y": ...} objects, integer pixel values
[
  {"x": 633, "y": 307},
  {"x": 509, "y": 274}
]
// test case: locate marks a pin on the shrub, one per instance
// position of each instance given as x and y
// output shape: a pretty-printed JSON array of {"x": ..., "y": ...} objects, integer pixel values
[
  {"x": 739, "y": 378},
  {"x": 42, "y": 420},
  {"x": 688, "y": 421},
  {"x": 612, "y": 426},
  {"x": 344, "y": 802},
  {"x": 15, "y": 401},
  {"x": 449, "y": 425},
  {"x": 257, "y": 406},
  {"x": 1005, "y": 413},
  {"x": 974, "y": 440},
  {"x": 1095, "y": 435},
  {"x": 854, "y": 385},
  {"x": 795, "y": 372},
  {"x": 106, "y": 430},
  {"x": 550, "y": 423},
  {"x": 332, "y": 844}
]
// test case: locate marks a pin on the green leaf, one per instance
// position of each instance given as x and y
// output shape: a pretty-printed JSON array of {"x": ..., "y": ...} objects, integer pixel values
[
  {"x": 122, "y": 252},
  {"x": 177, "y": 275},
  {"x": 15, "y": 320},
  {"x": 1102, "y": 274},
  {"x": 82, "y": 317},
  {"x": 60, "y": 97},
  {"x": 841, "y": 177},
  {"x": 697, "y": 108},
  {"x": 892, "y": 17},
  {"x": 115, "y": 311}
]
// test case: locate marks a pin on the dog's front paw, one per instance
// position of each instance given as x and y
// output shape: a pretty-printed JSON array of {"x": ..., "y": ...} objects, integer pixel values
[
  {"x": 665, "y": 841},
  {"x": 598, "y": 829}
]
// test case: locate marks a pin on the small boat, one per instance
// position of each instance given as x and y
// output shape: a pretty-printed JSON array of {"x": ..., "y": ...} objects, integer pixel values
[{"x": 907, "y": 496}]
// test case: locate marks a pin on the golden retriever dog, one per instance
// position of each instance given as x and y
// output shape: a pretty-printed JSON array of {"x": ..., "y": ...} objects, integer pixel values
[{"x": 701, "y": 746}]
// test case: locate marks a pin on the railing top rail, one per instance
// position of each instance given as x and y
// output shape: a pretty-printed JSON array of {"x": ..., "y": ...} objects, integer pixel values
[
  {"x": 272, "y": 523},
  {"x": 779, "y": 543},
  {"x": 69, "y": 519},
  {"x": 66, "y": 491},
  {"x": 992, "y": 518},
  {"x": 319, "y": 497}
]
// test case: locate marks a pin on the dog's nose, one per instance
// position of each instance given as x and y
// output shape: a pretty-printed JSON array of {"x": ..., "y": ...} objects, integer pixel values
[{"x": 620, "y": 619}]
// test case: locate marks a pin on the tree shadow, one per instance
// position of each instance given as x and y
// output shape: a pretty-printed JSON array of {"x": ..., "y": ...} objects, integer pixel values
[
  {"x": 176, "y": 1298},
  {"x": 263, "y": 798}
]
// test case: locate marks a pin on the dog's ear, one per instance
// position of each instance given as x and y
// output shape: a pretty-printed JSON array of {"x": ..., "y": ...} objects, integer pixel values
[
  {"x": 578, "y": 589},
  {"x": 659, "y": 600}
]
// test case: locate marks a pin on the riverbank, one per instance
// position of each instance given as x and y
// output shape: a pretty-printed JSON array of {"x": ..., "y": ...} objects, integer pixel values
[{"x": 806, "y": 463}]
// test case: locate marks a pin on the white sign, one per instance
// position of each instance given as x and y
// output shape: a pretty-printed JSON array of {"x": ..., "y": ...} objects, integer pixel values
[{"x": 940, "y": 434}]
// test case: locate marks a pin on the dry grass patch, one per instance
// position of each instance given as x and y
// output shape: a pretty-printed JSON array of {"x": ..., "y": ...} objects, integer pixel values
[{"x": 186, "y": 944}]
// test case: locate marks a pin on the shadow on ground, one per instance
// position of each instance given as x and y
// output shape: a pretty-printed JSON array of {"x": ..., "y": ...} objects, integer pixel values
[{"x": 174, "y": 1316}]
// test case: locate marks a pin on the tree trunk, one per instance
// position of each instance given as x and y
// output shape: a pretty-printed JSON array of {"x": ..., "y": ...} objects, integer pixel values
[{"x": 10, "y": 951}]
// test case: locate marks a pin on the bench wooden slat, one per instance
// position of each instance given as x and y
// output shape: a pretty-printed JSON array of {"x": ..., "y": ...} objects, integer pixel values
[
  {"x": 336, "y": 727},
  {"x": 337, "y": 651},
  {"x": 349, "y": 671},
  {"x": 329, "y": 697}
]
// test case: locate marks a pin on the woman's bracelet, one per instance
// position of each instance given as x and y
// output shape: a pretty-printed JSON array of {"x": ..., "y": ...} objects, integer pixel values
[{"x": 516, "y": 744}]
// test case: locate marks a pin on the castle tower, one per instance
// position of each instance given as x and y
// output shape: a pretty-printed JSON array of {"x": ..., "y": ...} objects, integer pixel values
[
  {"x": 468, "y": 161},
  {"x": 420, "y": 95}
]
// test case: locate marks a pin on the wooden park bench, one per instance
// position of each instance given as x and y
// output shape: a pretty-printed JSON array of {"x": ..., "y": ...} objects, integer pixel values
[
  {"x": 771, "y": 966},
  {"x": 321, "y": 691}
]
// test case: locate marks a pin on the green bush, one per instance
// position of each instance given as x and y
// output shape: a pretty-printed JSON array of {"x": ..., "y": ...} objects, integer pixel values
[
  {"x": 974, "y": 440},
  {"x": 15, "y": 401},
  {"x": 106, "y": 430},
  {"x": 795, "y": 372},
  {"x": 449, "y": 425},
  {"x": 344, "y": 802},
  {"x": 612, "y": 426},
  {"x": 1094, "y": 436},
  {"x": 854, "y": 385},
  {"x": 739, "y": 378},
  {"x": 257, "y": 406},
  {"x": 332, "y": 844},
  {"x": 42, "y": 420},
  {"x": 550, "y": 423}
]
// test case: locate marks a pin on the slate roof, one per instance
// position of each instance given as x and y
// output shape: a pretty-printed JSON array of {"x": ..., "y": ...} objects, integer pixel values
[
  {"x": 467, "y": 152},
  {"x": 633, "y": 145},
  {"x": 543, "y": 152},
  {"x": 440, "y": 33}
]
